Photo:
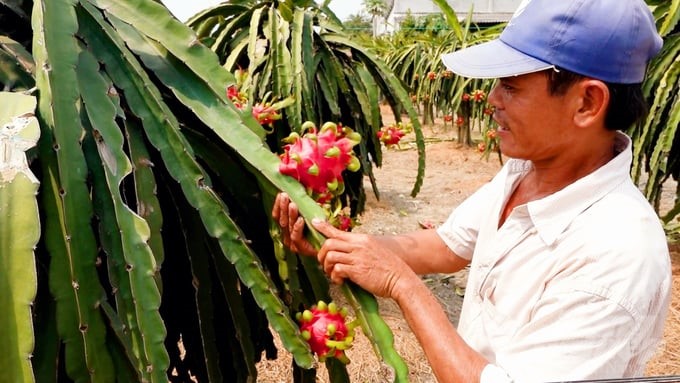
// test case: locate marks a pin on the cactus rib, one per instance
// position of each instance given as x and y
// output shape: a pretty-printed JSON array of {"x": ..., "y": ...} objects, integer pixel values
[{"x": 68, "y": 233}]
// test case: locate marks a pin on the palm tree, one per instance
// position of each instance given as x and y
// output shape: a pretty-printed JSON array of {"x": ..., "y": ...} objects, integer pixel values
[{"x": 375, "y": 8}]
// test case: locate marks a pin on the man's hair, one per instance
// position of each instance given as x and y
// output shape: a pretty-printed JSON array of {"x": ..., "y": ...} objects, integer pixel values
[{"x": 626, "y": 106}]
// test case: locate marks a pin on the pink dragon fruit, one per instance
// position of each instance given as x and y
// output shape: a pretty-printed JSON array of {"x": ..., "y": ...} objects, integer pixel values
[
  {"x": 317, "y": 159},
  {"x": 326, "y": 329},
  {"x": 265, "y": 114},
  {"x": 391, "y": 135},
  {"x": 237, "y": 97},
  {"x": 479, "y": 95},
  {"x": 340, "y": 217},
  {"x": 265, "y": 111}
]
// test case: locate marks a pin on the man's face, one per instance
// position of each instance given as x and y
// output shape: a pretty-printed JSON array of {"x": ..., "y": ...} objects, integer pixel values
[{"x": 533, "y": 124}]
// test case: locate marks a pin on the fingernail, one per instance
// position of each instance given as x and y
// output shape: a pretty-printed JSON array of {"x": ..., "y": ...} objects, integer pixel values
[{"x": 316, "y": 221}]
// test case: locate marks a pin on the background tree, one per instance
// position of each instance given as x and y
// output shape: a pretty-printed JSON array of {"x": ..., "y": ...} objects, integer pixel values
[
  {"x": 377, "y": 9},
  {"x": 358, "y": 25}
]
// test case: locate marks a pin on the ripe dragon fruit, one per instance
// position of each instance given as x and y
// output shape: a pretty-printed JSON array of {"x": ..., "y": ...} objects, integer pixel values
[
  {"x": 327, "y": 331},
  {"x": 317, "y": 159}
]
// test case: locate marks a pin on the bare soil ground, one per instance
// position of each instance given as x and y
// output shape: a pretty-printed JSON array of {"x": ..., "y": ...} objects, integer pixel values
[{"x": 452, "y": 173}]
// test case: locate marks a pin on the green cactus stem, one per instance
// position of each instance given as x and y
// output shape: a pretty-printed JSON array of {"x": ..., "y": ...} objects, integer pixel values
[{"x": 19, "y": 234}]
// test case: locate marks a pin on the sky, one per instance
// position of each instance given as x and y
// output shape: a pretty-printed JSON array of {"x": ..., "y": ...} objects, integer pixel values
[{"x": 183, "y": 9}]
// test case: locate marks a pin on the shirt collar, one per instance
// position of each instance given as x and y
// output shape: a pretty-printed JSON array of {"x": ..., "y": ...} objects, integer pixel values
[{"x": 552, "y": 214}]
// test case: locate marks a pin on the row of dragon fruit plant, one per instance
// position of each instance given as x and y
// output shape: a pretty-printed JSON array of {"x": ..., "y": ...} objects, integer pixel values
[
  {"x": 436, "y": 91},
  {"x": 462, "y": 102}
]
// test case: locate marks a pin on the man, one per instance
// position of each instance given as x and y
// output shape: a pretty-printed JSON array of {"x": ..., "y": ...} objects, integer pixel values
[{"x": 569, "y": 266}]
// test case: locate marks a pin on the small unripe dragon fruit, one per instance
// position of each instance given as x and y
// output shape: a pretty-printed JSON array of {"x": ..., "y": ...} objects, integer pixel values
[
  {"x": 317, "y": 159},
  {"x": 265, "y": 114},
  {"x": 390, "y": 135},
  {"x": 340, "y": 217},
  {"x": 237, "y": 97},
  {"x": 327, "y": 331},
  {"x": 479, "y": 95}
]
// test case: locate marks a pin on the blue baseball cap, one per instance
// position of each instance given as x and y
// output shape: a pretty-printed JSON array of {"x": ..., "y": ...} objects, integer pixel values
[{"x": 609, "y": 40}]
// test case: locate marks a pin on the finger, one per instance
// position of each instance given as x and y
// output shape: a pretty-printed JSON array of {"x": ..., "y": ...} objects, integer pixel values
[
  {"x": 283, "y": 201},
  {"x": 338, "y": 274},
  {"x": 297, "y": 230},
  {"x": 321, "y": 255},
  {"x": 293, "y": 214},
  {"x": 299, "y": 243},
  {"x": 326, "y": 263},
  {"x": 276, "y": 209},
  {"x": 329, "y": 231},
  {"x": 333, "y": 258},
  {"x": 323, "y": 252}
]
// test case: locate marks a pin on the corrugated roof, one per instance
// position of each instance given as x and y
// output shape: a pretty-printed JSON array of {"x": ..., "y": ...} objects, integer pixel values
[
  {"x": 477, "y": 18},
  {"x": 484, "y": 11},
  {"x": 494, "y": 17}
]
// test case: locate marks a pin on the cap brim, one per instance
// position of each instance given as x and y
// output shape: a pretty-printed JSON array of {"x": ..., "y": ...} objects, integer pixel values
[{"x": 493, "y": 59}]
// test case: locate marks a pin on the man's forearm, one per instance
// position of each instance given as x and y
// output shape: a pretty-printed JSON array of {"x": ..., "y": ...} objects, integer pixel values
[
  {"x": 424, "y": 251},
  {"x": 451, "y": 359}
]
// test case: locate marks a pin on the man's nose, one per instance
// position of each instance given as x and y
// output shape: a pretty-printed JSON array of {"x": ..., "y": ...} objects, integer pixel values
[{"x": 493, "y": 99}]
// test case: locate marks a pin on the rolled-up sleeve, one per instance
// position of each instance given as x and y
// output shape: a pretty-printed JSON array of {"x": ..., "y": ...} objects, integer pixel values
[{"x": 460, "y": 230}]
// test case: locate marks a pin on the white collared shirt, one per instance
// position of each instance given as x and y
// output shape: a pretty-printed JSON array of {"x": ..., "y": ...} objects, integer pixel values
[{"x": 575, "y": 285}]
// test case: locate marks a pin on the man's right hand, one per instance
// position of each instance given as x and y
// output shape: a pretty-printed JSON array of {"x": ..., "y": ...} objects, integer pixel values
[{"x": 292, "y": 225}]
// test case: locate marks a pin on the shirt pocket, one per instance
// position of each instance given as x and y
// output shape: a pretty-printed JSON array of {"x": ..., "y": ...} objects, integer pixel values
[{"x": 498, "y": 327}]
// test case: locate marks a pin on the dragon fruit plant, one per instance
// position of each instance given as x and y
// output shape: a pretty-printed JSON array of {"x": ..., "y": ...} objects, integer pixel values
[{"x": 326, "y": 329}]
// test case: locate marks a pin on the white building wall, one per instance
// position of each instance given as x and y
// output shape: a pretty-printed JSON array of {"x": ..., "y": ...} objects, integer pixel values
[{"x": 482, "y": 9}]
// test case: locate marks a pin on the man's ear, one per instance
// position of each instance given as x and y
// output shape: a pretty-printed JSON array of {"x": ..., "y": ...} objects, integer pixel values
[{"x": 593, "y": 102}]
